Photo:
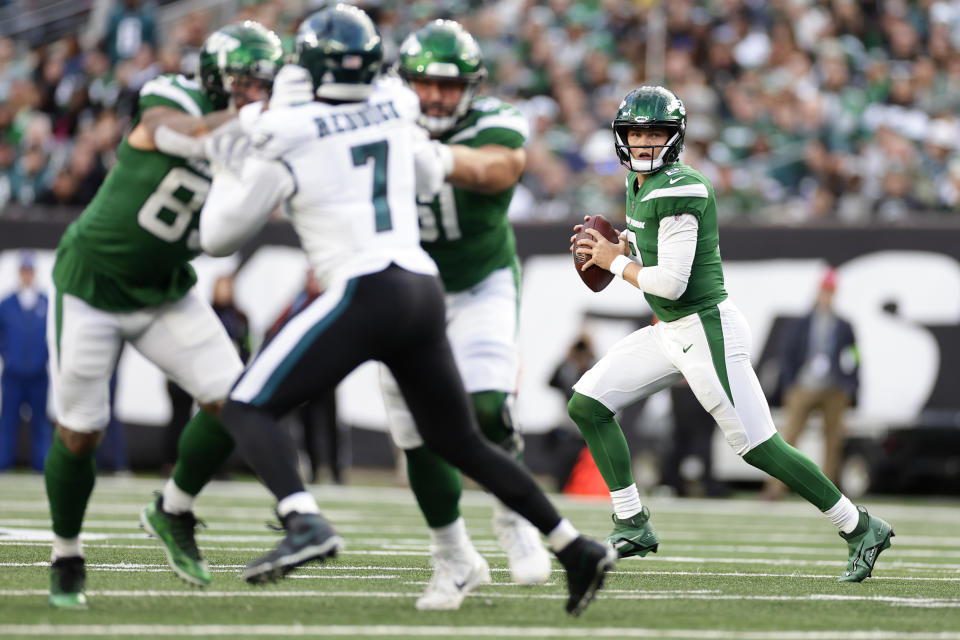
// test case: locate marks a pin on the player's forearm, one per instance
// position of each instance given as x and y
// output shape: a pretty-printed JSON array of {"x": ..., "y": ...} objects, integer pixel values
[
  {"x": 175, "y": 132},
  {"x": 182, "y": 122},
  {"x": 488, "y": 169},
  {"x": 238, "y": 206},
  {"x": 676, "y": 247}
]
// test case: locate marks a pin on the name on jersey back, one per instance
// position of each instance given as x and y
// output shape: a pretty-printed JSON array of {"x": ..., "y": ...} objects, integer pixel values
[{"x": 342, "y": 122}]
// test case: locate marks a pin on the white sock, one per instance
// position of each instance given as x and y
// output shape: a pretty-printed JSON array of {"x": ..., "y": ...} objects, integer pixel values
[
  {"x": 451, "y": 536},
  {"x": 562, "y": 535},
  {"x": 844, "y": 514},
  {"x": 626, "y": 502},
  {"x": 175, "y": 499},
  {"x": 66, "y": 547},
  {"x": 301, "y": 502}
]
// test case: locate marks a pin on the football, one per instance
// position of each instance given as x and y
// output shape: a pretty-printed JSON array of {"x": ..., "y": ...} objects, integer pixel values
[{"x": 594, "y": 277}]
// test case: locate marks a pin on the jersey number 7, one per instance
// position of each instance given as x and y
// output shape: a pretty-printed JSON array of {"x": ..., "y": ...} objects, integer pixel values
[{"x": 378, "y": 151}]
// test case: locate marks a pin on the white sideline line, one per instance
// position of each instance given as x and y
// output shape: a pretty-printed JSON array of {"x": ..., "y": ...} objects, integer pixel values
[
  {"x": 925, "y": 603},
  {"x": 451, "y": 631},
  {"x": 306, "y": 571}
]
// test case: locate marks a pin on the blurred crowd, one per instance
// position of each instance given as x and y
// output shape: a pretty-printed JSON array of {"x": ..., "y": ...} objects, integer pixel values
[{"x": 840, "y": 111}]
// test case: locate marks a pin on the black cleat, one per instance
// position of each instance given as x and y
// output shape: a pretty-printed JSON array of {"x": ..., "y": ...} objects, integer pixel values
[
  {"x": 309, "y": 537},
  {"x": 587, "y": 562},
  {"x": 68, "y": 576}
]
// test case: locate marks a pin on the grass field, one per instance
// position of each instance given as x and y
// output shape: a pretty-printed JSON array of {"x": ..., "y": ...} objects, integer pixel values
[{"x": 735, "y": 568}]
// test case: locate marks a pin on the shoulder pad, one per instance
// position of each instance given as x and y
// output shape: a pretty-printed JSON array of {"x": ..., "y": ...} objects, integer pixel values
[
  {"x": 404, "y": 98},
  {"x": 491, "y": 113},
  {"x": 275, "y": 131},
  {"x": 177, "y": 89}
]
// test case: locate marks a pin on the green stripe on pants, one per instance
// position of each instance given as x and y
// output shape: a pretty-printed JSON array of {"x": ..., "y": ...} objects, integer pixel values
[{"x": 712, "y": 327}]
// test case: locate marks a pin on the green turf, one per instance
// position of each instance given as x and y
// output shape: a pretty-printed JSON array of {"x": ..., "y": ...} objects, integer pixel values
[{"x": 726, "y": 569}]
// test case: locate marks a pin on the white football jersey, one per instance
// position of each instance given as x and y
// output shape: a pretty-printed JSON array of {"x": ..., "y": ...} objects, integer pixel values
[{"x": 354, "y": 205}]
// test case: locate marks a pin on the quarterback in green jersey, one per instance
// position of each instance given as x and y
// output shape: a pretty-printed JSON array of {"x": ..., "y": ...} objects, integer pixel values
[
  {"x": 479, "y": 141},
  {"x": 122, "y": 274},
  {"x": 670, "y": 251}
]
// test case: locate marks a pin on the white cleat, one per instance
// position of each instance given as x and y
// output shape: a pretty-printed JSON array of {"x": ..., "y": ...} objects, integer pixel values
[
  {"x": 528, "y": 559},
  {"x": 455, "y": 573}
]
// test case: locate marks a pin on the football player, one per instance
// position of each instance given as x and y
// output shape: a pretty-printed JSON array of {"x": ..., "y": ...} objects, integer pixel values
[
  {"x": 346, "y": 166},
  {"x": 122, "y": 275},
  {"x": 670, "y": 251},
  {"x": 465, "y": 230}
]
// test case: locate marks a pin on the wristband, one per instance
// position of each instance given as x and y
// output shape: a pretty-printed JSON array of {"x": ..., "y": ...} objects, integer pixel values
[
  {"x": 445, "y": 154},
  {"x": 618, "y": 265}
]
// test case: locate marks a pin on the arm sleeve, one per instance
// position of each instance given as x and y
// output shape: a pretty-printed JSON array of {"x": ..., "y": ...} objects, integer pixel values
[
  {"x": 240, "y": 203},
  {"x": 676, "y": 246}
]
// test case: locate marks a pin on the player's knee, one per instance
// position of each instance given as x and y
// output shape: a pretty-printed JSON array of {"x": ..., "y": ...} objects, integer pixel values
[
  {"x": 79, "y": 443},
  {"x": 584, "y": 410},
  {"x": 213, "y": 408},
  {"x": 493, "y": 415}
]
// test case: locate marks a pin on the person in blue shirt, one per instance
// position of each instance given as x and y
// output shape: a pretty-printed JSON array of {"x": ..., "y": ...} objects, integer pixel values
[{"x": 23, "y": 348}]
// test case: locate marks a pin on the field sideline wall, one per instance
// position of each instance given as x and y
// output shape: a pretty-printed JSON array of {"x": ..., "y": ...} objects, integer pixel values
[{"x": 899, "y": 286}]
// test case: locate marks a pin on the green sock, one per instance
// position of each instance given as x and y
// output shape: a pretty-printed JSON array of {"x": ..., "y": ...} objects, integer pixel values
[
  {"x": 496, "y": 421},
  {"x": 436, "y": 484},
  {"x": 202, "y": 449},
  {"x": 69, "y": 479},
  {"x": 604, "y": 439},
  {"x": 795, "y": 470}
]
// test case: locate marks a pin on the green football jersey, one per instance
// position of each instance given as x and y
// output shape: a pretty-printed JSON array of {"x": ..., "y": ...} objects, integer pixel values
[
  {"x": 130, "y": 247},
  {"x": 677, "y": 189},
  {"x": 465, "y": 232}
]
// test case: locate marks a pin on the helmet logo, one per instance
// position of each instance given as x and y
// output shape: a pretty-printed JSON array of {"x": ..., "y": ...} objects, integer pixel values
[
  {"x": 221, "y": 44},
  {"x": 442, "y": 69}
]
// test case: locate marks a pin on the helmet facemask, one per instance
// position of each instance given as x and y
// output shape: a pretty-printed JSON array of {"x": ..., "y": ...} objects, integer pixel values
[
  {"x": 439, "y": 124},
  {"x": 668, "y": 153},
  {"x": 235, "y": 57}
]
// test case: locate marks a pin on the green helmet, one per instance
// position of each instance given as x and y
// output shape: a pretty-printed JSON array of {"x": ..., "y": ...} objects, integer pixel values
[
  {"x": 443, "y": 50},
  {"x": 341, "y": 48},
  {"x": 248, "y": 49},
  {"x": 648, "y": 108}
]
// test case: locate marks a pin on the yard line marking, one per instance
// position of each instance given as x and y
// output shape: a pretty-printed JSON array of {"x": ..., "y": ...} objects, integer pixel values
[
  {"x": 902, "y": 601},
  {"x": 10, "y": 527},
  {"x": 64, "y": 630}
]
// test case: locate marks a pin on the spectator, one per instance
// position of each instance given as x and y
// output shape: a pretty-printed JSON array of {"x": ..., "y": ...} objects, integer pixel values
[
  {"x": 766, "y": 81},
  {"x": 23, "y": 347},
  {"x": 131, "y": 26},
  {"x": 820, "y": 372}
]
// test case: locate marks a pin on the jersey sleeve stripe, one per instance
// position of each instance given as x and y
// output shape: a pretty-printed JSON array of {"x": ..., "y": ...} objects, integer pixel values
[
  {"x": 172, "y": 93},
  {"x": 513, "y": 122},
  {"x": 698, "y": 190}
]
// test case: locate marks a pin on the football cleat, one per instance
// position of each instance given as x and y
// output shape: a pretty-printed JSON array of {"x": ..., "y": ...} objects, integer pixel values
[
  {"x": 175, "y": 531},
  {"x": 634, "y": 536},
  {"x": 68, "y": 576},
  {"x": 456, "y": 572},
  {"x": 587, "y": 562},
  {"x": 309, "y": 537},
  {"x": 865, "y": 547},
  {"x": 528, "y": 559}
]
